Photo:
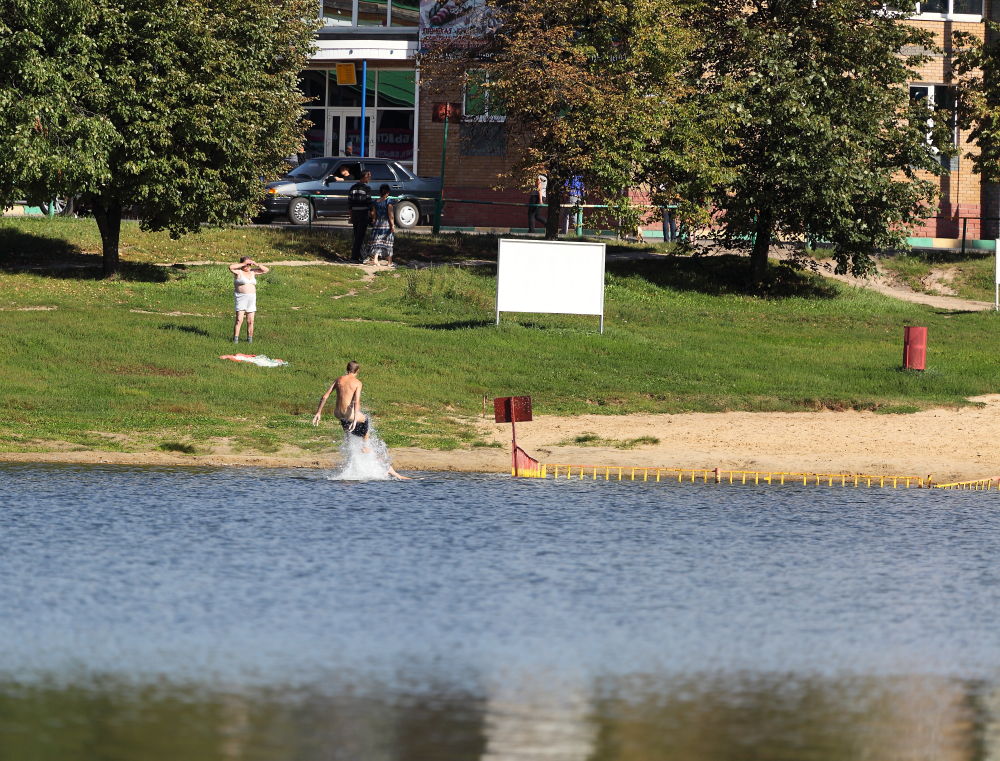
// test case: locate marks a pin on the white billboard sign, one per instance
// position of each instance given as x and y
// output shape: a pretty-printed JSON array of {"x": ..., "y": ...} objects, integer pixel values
[
  {"x": 554, "y": 277},
  {"x": 996, "y": 279}
]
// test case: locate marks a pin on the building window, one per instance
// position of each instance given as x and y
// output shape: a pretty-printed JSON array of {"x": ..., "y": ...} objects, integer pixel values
[
  {"x": 337, "y": 12},
  {"x": 350, "y": 95},
  {"x": 483, "y": 138},
  {"x": 964, "y": 10},
  {"x": 368, "y": 13},
  {"x": 404, "y": 13},
  {"x": 394, "y": 135},
  {"x": 939, "y": 97},
  {"x": 480, "y": 105},
  {"x": 314, "y": 137},
  {"x": 396, "y": 89}
]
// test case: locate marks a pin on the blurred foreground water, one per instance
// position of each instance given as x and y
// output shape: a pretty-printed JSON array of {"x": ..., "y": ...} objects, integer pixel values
[{"x": 182, "y": 613}]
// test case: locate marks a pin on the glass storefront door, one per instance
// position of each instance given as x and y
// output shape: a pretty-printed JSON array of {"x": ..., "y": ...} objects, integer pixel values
[{"x": 343, "y": 132}]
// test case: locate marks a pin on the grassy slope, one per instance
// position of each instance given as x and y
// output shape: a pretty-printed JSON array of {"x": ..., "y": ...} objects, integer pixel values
[{"x": 679, "y": 337}]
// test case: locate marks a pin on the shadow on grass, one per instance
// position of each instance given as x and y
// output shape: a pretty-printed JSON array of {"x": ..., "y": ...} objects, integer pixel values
[
  {"x": 452, "y": 247},
  {"x": 944, "y": 255},
  {"x": 459, "y": 325},
  {"x": 332, "y": 244},
  {"x": 724, "y": 275},
  {"x": 714, "y": 275},
  {"x": 58, "y": 258},
  {"x": 448, "y": 247},
  {"x": 184, "y": 328}
]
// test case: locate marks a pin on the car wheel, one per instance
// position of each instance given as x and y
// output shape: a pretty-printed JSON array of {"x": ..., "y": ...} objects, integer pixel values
[
  {"x": 300, "y": 211},
  {"x": 407, "y": 214},
  {"x": 60, "y": 207}
]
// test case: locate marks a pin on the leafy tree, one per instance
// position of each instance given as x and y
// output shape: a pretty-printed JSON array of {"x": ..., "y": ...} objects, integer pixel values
[
  {"x": 588, "y": 89},
  {"x": 176, "y": 108},
  {"x": 821, "y": 139}
]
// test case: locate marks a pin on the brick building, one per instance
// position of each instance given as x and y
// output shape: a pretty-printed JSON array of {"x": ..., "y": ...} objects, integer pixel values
[
  {"x": 376, "y": 42},
  {"x": 966, "y": 203}
]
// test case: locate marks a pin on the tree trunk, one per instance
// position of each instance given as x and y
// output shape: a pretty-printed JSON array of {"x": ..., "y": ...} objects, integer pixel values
[
  {"x": 109, "y": 222},
  {"x": 553, "y": 199},
  {"x": 761, "y": 247}
]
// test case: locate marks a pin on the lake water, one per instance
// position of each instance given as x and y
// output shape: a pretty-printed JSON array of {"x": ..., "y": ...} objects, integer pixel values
[{"x": 203, "y": 614}]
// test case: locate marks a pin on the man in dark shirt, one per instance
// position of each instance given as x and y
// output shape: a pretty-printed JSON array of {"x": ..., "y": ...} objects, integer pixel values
[{"x": 359, "y": 203}]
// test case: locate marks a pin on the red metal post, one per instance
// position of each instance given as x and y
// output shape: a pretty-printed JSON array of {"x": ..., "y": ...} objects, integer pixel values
[
  {"x": 513, "y": 441},
  {"x": 505, "y": 410},
  {"x": 914, "y": 347}
]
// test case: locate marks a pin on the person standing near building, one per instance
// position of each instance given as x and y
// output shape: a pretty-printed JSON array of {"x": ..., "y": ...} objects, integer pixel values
[
  {"x": 670, "y": 219},
  {"x": 359, "y": 203},
  {"x": 574, "y": 195},
  {"x": 669, "y": 225},
  {"x": 668, "y": 200},
  {"x": 383, "y": 231},
  {"x": 535, "y": 201}
]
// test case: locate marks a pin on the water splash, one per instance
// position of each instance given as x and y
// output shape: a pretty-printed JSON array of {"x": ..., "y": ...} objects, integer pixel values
[{"x": 358, "y": 465}]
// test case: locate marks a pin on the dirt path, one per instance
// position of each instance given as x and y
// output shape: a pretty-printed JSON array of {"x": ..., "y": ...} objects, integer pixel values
[{"x": 884, "y": 285}]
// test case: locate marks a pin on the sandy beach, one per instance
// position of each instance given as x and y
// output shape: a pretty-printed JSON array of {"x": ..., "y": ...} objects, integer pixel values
[{"x": 947, "y": 444}]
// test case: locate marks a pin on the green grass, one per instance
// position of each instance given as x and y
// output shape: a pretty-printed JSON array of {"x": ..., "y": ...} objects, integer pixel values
[
  {"x": 593, "y": 440},
  {"x": 972, "y": 274},
  {"x": 132, "y": 364}
]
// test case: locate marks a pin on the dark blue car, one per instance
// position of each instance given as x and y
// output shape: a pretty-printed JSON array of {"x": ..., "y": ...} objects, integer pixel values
[{"x": 318, "y": 188}]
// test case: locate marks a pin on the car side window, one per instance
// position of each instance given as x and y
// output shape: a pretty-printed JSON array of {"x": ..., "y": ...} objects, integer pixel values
[
  {"x": 313, "y": 169},
  {"x": 349, "y": 172},
  {"x": 380, "y": 172}
]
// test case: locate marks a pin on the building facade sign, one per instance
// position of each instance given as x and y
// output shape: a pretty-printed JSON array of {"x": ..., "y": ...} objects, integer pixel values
[{"x": 456, "y": 19}]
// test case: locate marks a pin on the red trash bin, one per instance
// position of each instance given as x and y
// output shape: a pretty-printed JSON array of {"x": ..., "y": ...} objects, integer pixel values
[{"x": 914, "y": 348}]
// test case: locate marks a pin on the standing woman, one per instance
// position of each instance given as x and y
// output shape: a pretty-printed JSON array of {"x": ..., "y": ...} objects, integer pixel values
[
  {"x": 245, "y": 287},
  {"x": 383, "y": 228}
]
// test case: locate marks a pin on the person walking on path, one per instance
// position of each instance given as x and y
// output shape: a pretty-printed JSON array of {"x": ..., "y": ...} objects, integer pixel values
[
  {"x": 245, "y": 293},
  {"x": 535, "y": 201},
  {"x": 359, "y": 203},
  {"x": 383, "y": 228}
]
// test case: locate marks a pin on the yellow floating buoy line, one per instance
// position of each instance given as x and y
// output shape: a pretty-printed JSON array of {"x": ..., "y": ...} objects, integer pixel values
[
  {"x": 568, "y": 472},
  {"x": 981, "y": 484}
]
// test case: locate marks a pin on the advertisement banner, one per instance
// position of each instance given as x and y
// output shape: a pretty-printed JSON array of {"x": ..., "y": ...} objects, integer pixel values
[{"x": 454, "y": 20}]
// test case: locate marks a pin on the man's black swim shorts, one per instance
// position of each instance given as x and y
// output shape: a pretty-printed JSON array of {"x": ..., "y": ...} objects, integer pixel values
[{"x": 361, "y": 429}]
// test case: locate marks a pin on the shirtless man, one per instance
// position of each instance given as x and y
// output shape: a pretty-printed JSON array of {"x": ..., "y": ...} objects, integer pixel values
[{"x": 348, "y": 407}]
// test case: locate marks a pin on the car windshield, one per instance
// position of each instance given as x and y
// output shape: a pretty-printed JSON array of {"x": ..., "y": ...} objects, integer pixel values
[{"x": 313, "y": 169}]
